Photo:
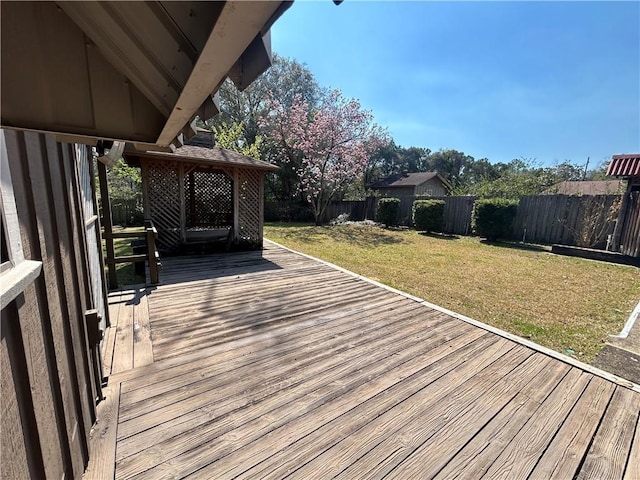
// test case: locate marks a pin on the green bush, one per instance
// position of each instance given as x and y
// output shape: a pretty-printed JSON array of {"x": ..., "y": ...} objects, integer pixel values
[
  {"x": 493, "y": 217},
  {"x": 428, "y": 215},
  {"x": 388, "y": 212}
]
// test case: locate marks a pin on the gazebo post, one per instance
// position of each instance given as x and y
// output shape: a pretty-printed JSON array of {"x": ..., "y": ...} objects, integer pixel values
[{"x": 236, "y": 206}]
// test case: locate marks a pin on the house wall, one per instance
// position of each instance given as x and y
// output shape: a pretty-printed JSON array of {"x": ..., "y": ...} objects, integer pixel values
[
  {"x": 394, "y": 192},
  {"x": 48, "y": 386},
  {"x": 432, "y": 188}
]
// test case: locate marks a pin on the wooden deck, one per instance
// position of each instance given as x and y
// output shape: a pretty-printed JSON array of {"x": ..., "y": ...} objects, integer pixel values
[{"x": 271, "y": 364}]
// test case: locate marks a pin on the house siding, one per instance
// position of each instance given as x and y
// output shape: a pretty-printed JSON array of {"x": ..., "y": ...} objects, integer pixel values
[
  {"x": 49, "y": 388},
  {"x": 432, "y": 188},
  {"x": 393, "y": 192}
]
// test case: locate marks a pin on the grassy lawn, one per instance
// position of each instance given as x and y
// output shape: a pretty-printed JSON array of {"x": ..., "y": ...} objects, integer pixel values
[
  {"x": 122, "y": 246},
  {"x": 564, "y": 303}
]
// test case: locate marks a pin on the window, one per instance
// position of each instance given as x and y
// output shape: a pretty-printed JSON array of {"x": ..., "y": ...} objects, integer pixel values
[{"x": 16, "y": 273}]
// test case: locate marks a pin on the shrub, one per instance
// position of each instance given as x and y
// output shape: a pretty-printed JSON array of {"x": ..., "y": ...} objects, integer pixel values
[
  {"x": 428, "y": 215},
  {"x": 388, "y": 212},
  {"x": 287, "y": 212},
  {"x": 493, "y": 217}
]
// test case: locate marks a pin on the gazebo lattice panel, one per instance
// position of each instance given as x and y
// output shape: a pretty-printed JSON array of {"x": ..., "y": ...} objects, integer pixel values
[
  {"x": 249, "y": 206},
  {"x": 164, "y": 202},
  {"x": 197, "y": 205},
  {"x": 208, "y": 199}
]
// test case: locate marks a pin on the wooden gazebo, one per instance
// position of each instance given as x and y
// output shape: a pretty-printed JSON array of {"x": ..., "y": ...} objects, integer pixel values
[{"x": 203, "y": 196}]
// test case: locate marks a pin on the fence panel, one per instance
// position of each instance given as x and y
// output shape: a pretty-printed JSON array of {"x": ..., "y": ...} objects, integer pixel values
[
  {"x": 126, "y": 212},
  {"x": 569, "y": 220},
  {"x": 630, "y": 241}
]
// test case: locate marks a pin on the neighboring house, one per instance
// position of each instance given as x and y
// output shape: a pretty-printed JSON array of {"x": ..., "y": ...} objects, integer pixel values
[
  {"x": 595, "y": 187},
  {"x": 626, "y": 236},
  {"x": 430, "y": 184},
  {"x": 77, "y": 75}
]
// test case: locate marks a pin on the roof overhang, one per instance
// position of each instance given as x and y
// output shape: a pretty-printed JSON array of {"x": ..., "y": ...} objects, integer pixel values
[
  {"x": 133, "y": 71},
  {"x": 627, "y": 165}
]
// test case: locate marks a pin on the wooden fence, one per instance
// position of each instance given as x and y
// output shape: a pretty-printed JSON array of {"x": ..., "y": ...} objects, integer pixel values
[
  {"x": 585, "y": 220},
  {"x": 569, "y": 220},
  {"x": 127, "y": 212},
  {"x": 457, "y": 211},
  {"x": 630, "y": 240}
]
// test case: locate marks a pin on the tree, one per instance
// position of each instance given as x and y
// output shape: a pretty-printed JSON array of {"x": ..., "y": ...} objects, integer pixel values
[
  {"x": 330, "y": 145},
  {"x": 125, "y": 183},
  {"x": 232, "y": 138},
  {"x": 284, "y": 80},
  {"x": 451, "y": 164}
]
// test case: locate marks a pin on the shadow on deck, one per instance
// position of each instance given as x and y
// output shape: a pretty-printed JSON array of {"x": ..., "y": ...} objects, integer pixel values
[{"x": 269, "y": 364}]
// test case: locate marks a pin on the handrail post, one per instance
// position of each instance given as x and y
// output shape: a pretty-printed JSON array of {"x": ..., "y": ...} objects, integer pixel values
[
  {"x": 151, "y": 252},
  {"x": 108, "y": 225}
]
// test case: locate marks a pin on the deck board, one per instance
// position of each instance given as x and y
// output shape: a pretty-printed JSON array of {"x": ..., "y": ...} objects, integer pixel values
[{"x": 271, "y": 364}]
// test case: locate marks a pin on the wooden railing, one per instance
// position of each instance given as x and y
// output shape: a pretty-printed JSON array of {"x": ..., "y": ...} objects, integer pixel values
[{"x": 149, "y": 234}]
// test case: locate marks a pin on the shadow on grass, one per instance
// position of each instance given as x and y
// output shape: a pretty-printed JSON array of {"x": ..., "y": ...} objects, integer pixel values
[
  {"x": 360, "y": 236},
  {"x": 517, "y": 245},
  {"x": 440, "y": 236}
]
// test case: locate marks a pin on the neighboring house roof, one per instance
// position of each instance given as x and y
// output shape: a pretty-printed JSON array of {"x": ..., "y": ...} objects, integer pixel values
[
  {"x": 409, "y": 180},
  {"x": 595, "y": 187},
  {"x": 627, "y": 165}
]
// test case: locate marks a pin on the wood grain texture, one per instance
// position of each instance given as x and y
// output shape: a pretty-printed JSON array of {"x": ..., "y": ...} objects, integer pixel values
[
  {"x": 261, "y": 370},
  {"x": 142, "y": 347},
  {"x": 609, "y": 453},
  {"x": 103, "y": 436},
  {"x": 632, "y": 471},
  {"x": 19, "y": 445},
  {"x": 564, "y": 454}
]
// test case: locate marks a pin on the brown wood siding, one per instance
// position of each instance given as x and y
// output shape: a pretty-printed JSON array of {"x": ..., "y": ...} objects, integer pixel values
[
  {"x": 432, "y": 188},
  {"x": 46, "y": 367},
  {"x": 394, "y": 192}
]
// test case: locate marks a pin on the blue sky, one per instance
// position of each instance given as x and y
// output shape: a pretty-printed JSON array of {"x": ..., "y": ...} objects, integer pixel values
[{"x": 546, "y": 81}]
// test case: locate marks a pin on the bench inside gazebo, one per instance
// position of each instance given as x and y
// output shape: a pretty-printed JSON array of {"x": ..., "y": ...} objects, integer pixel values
[{"x": 203, "y": 198}]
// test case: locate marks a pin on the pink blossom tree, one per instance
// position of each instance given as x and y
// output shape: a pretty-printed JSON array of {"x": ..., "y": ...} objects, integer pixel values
[{"x": 328, "y": 147}]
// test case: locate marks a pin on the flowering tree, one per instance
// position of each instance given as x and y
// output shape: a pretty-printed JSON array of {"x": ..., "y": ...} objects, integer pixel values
[{"x": 328, "y": 146}]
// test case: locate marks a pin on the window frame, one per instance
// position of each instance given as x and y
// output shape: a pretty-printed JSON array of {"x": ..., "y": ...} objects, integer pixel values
[{"x": 16, "y": 273}]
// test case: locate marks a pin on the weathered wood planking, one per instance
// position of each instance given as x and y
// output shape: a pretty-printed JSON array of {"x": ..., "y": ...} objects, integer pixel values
[
  {"x": 103, "y": 436},
  {"x": 109, "y": 340},
  {"x": 267, "y": 373},
  {"x": 142, "y": 347},
  {"x": 609, "y": 454}
]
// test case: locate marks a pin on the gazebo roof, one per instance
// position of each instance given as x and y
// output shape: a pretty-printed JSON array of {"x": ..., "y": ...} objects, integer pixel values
[{"x": 211, "y": 156}]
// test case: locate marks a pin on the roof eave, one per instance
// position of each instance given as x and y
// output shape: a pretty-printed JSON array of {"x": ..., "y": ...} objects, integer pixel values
[{"x": 130, "y": 71}]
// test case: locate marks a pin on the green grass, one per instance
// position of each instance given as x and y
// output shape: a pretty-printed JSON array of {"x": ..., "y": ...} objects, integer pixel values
[
  {"x": 564, "y": 303},
  {"x": 122, "y": 246}
]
